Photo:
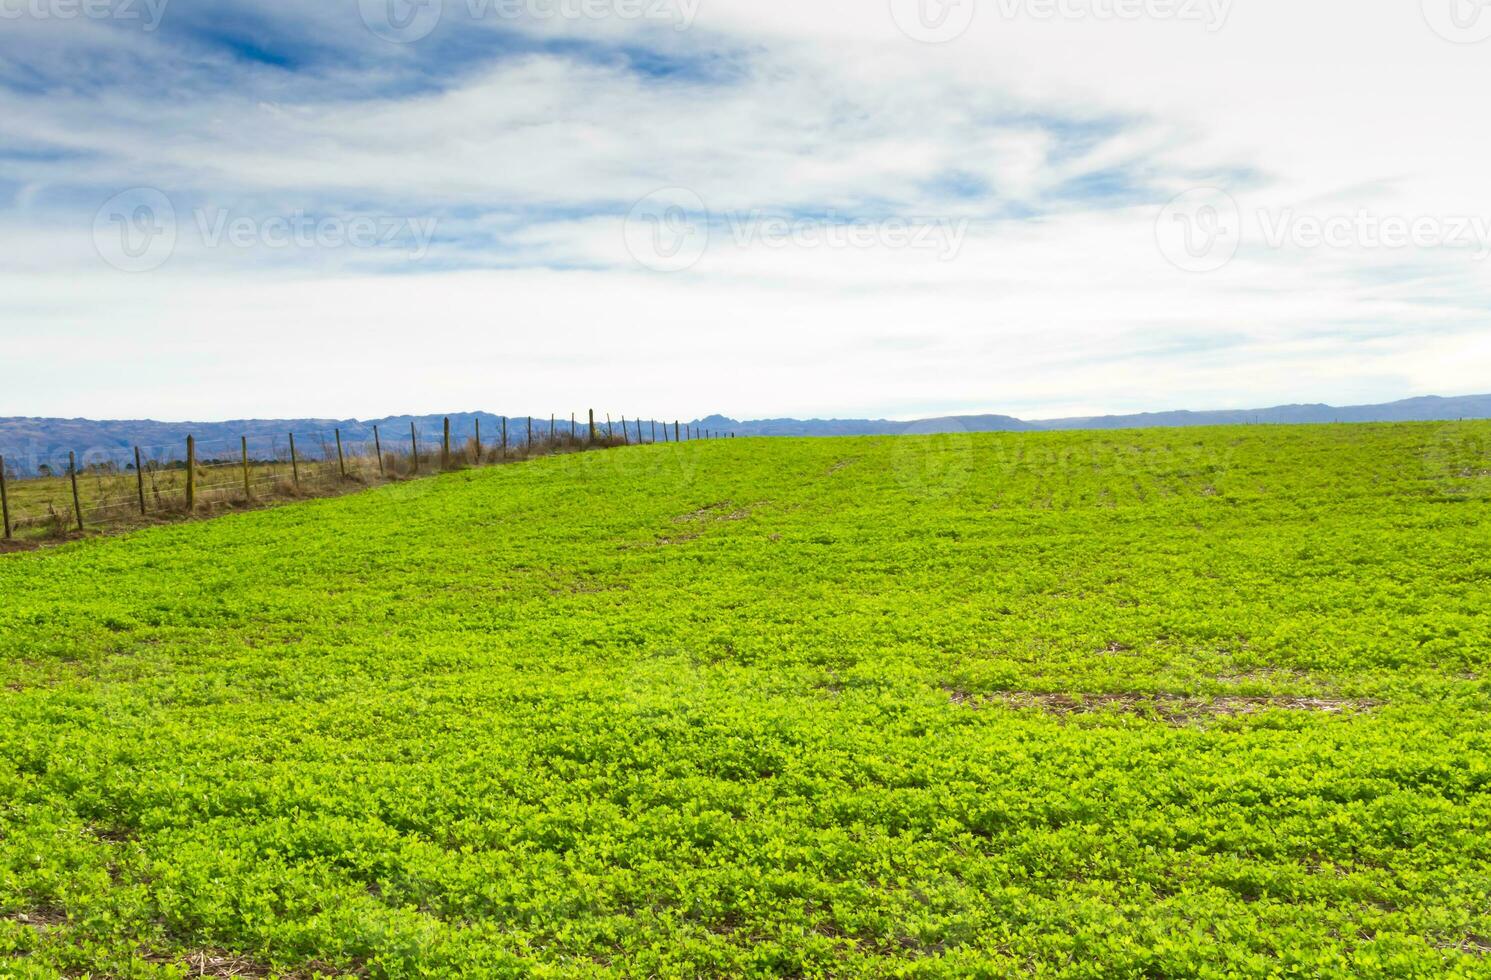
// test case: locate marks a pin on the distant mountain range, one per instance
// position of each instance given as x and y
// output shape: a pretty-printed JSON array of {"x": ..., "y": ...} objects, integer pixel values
[
  {"x": 1427, "y": 409},
  {"x": 29, "y": 443}
]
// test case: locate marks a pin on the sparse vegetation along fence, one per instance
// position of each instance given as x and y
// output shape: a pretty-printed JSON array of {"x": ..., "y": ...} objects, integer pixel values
[{"x": 58, "y": 495}]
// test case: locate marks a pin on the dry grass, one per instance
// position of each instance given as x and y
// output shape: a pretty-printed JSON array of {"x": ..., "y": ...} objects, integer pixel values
[
  {"x": 41, "y": 509},
  {"x": 221, "y": 963}
]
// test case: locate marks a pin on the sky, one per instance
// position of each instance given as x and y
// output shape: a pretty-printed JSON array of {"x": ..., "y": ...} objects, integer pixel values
[{"x": 761, "y": 208}]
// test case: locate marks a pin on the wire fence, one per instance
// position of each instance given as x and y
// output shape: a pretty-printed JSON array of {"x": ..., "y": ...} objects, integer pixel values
[{"x": 62, "y": 494}]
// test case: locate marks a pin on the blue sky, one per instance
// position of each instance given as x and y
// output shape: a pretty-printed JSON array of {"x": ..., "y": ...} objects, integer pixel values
[{"x": 678, "y": 207}]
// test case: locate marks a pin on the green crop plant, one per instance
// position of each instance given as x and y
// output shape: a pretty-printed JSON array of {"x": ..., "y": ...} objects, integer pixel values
[{"x": 1162, "y": 703}]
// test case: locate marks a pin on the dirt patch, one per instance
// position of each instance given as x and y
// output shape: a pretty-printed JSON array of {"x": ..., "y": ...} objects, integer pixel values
[
  {"x": 725, "y": 511},
  {"x": 676, "y": 539},
  {"x": 215, "y": 963},
  {"x": 220, "y": 963},
  {"x": 1171, "y": 708},
  {"x": 1471, "y": 945},
  {"x": 41, "y": 919},
  {"x": 712, "y": 514},
  {"x": 112, "y": 835}
]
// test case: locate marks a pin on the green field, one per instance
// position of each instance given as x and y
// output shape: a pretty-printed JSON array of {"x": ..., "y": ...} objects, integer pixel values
[{"x": 1168, "y": 703}]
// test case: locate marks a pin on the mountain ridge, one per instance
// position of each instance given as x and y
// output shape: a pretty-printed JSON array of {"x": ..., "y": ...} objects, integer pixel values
[
  {"x": 1424, "y": 408},
  {"x": 28, "y": 443}
]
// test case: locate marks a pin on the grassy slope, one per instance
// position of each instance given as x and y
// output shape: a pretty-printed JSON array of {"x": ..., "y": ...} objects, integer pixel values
[{"x": 717, "y": 708}]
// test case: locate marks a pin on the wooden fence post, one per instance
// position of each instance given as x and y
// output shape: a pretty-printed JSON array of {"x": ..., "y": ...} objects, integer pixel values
[
  {"x": 191, "y": 474},
  {"x": 592, "y": 425},
  {"x": 139, "y": 479},
  {"x": 625, "y": 439},
  {"x": 72, "y": 471},
  {"x": 653, "y": 423},
  {"x": 639, "y": 432},
  {"x": 414, "y": 448},
  {"x": 551, "y": 430},
  {"x": 4, "y": 501},
  {"x": 528, "y": 446},
  {"x": 445, "y": 446},
  {"x": 294, "y": 463},
  {"x": 675, "y": 431},
  {"x": 378, "y": 448},
  {"x": 478, "y": 441},
  {"x": 572, "y": 425},
  {"x": 504, "y": 437},
  {"x": 248, "y": 492},
  {"x": 341, "y": 460},
  {"x": 610, "y": 430}
]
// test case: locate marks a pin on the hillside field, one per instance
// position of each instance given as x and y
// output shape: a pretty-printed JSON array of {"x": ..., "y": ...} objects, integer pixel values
[{"x": 1164, "y": 703}]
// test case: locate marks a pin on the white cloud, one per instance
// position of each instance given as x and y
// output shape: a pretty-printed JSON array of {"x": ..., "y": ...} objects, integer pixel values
[{"x": 1057, "y": 140}]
